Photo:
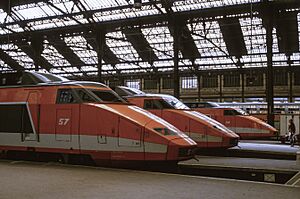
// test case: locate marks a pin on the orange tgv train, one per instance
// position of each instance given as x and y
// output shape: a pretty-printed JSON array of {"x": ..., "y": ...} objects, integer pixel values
[
  {"x": 246, "y": 126},
  {"x": 206, "y": 132},
  {"x": 44, "y": 113}
]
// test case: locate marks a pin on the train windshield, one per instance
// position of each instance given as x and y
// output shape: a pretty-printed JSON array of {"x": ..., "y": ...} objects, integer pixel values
[
  {"x": 95, "y": 95},
  {"x": 107, "y": 95},
  {"x": 165, "y": 131},
  {"x": 233, "y": 112},
  {"x": 175, "y": 103}
]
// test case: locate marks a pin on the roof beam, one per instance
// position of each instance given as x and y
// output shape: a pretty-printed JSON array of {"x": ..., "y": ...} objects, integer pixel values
[
  {"x": 233, "y": 36},
  {"x": 109, "y": 57},
  {"x": 151, "y": 19},
  {"x": 10, "y": 61},
  {"x": 186, "y": 45},
  {"x": 66, "y": 51},
  {"x": 141, "y": 45},
  {"x": 34, "y": 51},
  {"x": 287, "y": 32}
]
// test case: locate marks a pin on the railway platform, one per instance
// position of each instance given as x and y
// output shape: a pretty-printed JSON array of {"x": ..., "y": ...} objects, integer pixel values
[
  {"x": 264, "y": 149},
  {"x": 257, "y": 149},
  {"x": 253, "y": 160},
  {"x": 43, "y": 180}
]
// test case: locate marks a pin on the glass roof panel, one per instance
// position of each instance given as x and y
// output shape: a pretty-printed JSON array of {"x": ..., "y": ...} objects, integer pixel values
[
  {"x": 121, "y": 47},
  {"x": 4, "y": 31},
  {"x": 210, "y": 43},
  {"x": 296, "y": 59},
  {"x": 125, "y": 13},
  {"x": 96, "y": 4},
  {"x": 4, "y": 66},
  {"x": 15, "y": 53},
  {"x": 298, "y": 19},
  {"x": 53, "y": 56},
  {"x": 160, "y": 40},
  {"x": 202, "y": 4},
  {"x": 254, "y": 35},
  {"x": 43, "y": 9},
  {"x": 82, "y": 49}
]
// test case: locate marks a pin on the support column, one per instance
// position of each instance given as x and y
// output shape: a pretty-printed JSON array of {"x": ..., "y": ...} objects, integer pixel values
[
  {"x": 290, "y": 79},
  {"x": 221, "y": 88},
  {"x": 37, "y": 47},
  {"x": 199, "y": 86},
  {"x": 240, "y": 66},
  {"x": 159, "y": 84},
  {"x": 243, "y": 85},
  {"x": 270, "y": 92},
  {"x": 100, "y": 42},
  {"x": 176, "y": 61}
]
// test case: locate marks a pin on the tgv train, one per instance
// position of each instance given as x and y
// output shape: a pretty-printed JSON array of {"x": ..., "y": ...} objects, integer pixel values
[
  {"x": 206, "y": 132},
  {"x": 46, "y": 113},
  {"x": 246, "y": 126}
]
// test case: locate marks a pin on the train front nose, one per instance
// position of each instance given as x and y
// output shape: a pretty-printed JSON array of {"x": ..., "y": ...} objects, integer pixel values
[
  {"x": 182, "y": 148},
  {"x": 230, "y": 142}
]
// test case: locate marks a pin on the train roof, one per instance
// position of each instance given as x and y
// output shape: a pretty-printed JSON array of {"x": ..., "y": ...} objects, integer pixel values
[{"x": 28, "y": 79}]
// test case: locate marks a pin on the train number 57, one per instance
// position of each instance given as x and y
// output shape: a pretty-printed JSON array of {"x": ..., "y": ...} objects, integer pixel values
[{"x": 63, "y": 121}]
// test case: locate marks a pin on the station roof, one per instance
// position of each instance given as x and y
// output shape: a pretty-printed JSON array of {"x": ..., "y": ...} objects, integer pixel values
[{"x": 62, "y": 36}]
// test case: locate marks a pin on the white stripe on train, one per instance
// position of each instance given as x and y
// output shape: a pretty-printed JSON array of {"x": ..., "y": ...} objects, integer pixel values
[
  {"x": 86, "y": 143},
  {"x": 248, "y": 130}
]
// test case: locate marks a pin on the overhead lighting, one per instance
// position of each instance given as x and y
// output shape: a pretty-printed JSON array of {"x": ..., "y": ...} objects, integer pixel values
[{"x": 137, "y": 4}]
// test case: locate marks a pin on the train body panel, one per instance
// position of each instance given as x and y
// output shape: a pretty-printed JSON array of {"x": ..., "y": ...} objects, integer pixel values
[
  {"x": 64, "y": 118},
  {"x": 206, "y": 132},
  {"x": 247, "y": 127}
]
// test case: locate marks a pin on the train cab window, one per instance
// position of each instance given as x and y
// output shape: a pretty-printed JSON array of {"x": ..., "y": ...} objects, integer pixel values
[
  {"x": 107, "y": 96},
  {"x": 165, "y": 131},
  {"x": 234, "y": 112},
  {"x": 84, "y": 96},
  {"x": 65, "y": 96},
  {"x": 156, "y": 104}
]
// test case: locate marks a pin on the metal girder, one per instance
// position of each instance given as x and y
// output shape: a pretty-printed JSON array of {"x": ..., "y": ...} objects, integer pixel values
[
  {"x": 141, "y": 45},
  {"x": 152, "y": 19},
  {"x": 186, "y": 44},
  {"x": 287, "y": 32},
  {"x": 268, "y": 15},
  {"x": 176, "y": 43},
  {"x": 34, "y": 51},
  {"x": 10, "y": 61},
  {"x": 233, "y": 36},
  {"x": 12, "y": 3},
  {"x": 66, "y": 51},
  {"x": 108, "y": 55}
]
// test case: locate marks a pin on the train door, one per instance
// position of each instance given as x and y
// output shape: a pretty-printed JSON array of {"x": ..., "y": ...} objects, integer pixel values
[
  {"x": 130, "y": 140},
  {"x": 33, "y": 107},
  {"x": 67, "y": 113}
]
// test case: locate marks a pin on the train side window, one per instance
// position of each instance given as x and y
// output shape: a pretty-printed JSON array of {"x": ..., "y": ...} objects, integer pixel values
[
  {"x": 84, "y": 96},
  {"x": 152, "y": 104},
  {"x": 229, "y": 112},
  {"x": 148, "y": 104},
  {"x": 234, "y": 112},
  {"x": 65, "y": 96}
]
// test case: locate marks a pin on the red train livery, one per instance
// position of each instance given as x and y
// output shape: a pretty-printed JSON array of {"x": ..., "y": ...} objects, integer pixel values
[
  {"x": 46, "y": 113},
  {"x": 206, "y": 132},
  {"x": 246, "y": 126}
]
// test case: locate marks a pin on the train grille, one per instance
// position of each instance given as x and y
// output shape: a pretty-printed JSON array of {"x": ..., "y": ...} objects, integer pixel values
[
  {"x": 234, "y": 141},
  {"x": 184, "y": 152}
]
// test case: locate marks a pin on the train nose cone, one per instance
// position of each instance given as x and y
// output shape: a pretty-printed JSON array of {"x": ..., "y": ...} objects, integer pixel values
[{"x": 181, "y": 148}]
